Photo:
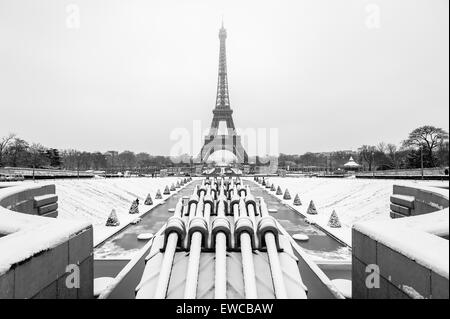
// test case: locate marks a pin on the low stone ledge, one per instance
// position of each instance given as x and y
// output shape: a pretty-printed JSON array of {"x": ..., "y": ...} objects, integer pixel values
[
  {"x": 52, "y": 214},
  {"x": 403, "y": 200},
  {"x": 402, "y": 210},
  {"x": 47, "y": 208},
  {"x": 396, "y": 215},
  {"x": 43, "y": 200},
  {"x": 411, "y": 253},
  {"x": 22, "y": 198},
  {"x": 426, "y": 199},
  {"x": 43, "y": 249},
  {"x": 400, "y": 275}
]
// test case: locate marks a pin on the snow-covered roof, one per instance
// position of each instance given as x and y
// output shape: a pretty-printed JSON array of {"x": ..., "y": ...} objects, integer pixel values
[{"x": 351, "y": 163}]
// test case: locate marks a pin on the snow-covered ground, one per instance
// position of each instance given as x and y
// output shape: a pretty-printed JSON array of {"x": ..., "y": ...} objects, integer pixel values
[
  {"x": 93, "y": 199},
  {"x": 354, "y": 200}
]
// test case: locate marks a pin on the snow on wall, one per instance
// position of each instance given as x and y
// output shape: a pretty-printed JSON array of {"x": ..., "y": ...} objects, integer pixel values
[
  {"x": 426, "y": 249},
  {"x": 417, "y": 237},
  {"x": 27, "y": 235}
]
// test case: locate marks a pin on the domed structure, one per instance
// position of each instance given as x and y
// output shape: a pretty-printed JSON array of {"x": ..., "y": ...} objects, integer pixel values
[{"x": 351, "y": 164}]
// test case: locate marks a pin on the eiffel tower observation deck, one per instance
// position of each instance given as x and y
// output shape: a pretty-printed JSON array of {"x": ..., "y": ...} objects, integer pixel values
[{"x": 223, "y": 113}]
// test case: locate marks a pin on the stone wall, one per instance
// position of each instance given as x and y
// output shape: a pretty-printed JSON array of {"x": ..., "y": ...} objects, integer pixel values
[
  {"x": 400, "y": 275},
  {"x": 34, "y": 200},
  {"x": 42, "y": 257},
  {"x": 412, "y": 201},
  {"x": 408, "y": 257}
]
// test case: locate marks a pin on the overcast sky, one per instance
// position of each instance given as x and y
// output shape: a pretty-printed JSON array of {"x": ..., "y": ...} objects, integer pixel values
[{"x": 329, "y": 74}]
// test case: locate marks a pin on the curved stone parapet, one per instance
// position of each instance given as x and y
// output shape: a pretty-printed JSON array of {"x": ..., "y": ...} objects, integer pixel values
[
  {"x": 404, "y": 257},
  {"x": 412, "y": 200},
  {"x": 42, "y": 257}
]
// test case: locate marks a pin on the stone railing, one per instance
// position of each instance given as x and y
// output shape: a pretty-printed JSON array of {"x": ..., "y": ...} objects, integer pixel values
[
  {"x": 404, "y": 257},
  {"x": 42, "y": 257}
]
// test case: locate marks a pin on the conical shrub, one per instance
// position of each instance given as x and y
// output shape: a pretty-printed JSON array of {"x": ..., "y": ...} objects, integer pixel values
[
  {"x": 166, "y": 190},
  {"x": 134, "y": 209},
  {"x": 158, "y": 194},
  {"x": 286, "y": 195},
  {"x": 112, "y": 219},
  {"x": 312, "y": 208},
  {"x": 297, "y": 201},
  {"x": 148, "y": 200},
  {"x": 272, "y": 188},
  {"x": 279, "y": 191},
  {"x": 172, "y": 188},
  {"x": 334, "y": 220}
]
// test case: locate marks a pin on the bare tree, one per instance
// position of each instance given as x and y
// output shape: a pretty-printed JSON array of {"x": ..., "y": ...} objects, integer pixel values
[
  {"x": 381, "y": 147},
  {"x": 127, "y": 159},
  {"x": 392, "y": 155},
  {"x": 4, "y": 143},
  {"x": 367, "y": 152},
  {"x": 18, "y": 150},
  {"x": 428, "y": 138},
  {"x": 38, "y": 156}
]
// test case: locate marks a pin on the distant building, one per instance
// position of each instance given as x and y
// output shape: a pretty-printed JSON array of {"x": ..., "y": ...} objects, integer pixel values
[{"x": 351, "y": 165}]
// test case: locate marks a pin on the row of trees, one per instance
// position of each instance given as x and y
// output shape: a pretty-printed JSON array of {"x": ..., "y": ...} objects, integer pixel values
[
  {"x": 427, "y": 145},
  {"x": 16, "y": 152},
  {"x": 112, "y": 160}
]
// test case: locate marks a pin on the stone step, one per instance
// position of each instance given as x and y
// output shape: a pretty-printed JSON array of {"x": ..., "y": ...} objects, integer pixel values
[
  {"x": 52, "y": 214},
  {"x": 396, "y": 215},
  {"x": 403, "y": 200},
  {"x": 405, "y": 211},
  {"x": 45, "y": 200},
  {"x": 47, "y": 208}
]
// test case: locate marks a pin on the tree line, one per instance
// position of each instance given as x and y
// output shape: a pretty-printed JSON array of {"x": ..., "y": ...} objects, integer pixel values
[
  {"x": 427, "y": 145},
  {"x": 16, "y": 152}
]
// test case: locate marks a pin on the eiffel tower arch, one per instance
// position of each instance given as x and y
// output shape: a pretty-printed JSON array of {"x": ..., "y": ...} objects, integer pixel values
[{"x": 222, "y": 113}]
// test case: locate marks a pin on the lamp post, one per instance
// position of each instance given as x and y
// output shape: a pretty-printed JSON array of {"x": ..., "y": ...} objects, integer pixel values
[
  {"x": 373, "y": 168},
  {"x": 421, "y": 161}
]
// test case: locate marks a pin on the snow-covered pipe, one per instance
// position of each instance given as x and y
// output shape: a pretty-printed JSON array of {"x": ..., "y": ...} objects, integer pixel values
[
  {"x": 248, "y": 267},
  {"x": 274, "y": 262},
  {"x": 220, "y": 285},
  {"x": 220, "y": 280},
  {"x": 208, "y": 205},
  {"x": 251, "y": 213},
  {"x": 190, "y": 291},
  {"x": 193, "y": 202},
  {"x": 169, "y": 254}
]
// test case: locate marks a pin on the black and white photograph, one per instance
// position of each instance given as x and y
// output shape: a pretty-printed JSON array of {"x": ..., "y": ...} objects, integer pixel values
[{"x": 224, "y": 155}]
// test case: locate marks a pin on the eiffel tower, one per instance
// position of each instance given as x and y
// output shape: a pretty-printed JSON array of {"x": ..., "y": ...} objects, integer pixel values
[{"x": 222, "y": 113}]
